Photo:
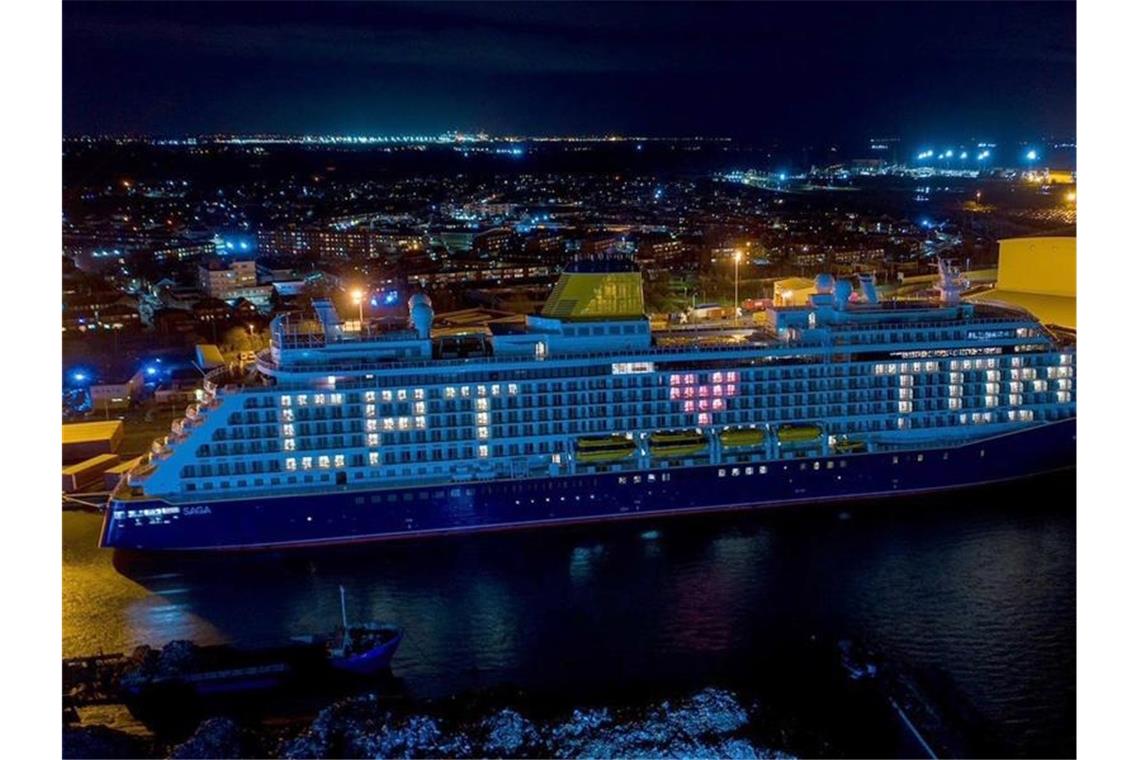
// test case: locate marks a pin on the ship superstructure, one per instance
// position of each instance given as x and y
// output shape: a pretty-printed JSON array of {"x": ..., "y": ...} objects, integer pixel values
[{"x": 583, "y": 412}]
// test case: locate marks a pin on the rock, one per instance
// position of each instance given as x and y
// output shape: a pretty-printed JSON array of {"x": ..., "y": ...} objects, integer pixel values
[
  {"x": 508, "y": 734},
  {"x": 101, "y": 741},
  {"x": 214, "y": 738}
]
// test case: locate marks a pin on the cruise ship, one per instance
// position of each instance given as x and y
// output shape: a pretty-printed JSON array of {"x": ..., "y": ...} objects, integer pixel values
[{"x": 347, "y": 431}]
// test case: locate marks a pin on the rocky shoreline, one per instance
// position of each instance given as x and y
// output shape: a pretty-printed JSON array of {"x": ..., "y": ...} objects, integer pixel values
[{"x": 709, "y": 723}]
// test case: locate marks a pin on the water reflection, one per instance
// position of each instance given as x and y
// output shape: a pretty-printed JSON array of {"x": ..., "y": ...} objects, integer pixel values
[{"x": 981, "y": 590}]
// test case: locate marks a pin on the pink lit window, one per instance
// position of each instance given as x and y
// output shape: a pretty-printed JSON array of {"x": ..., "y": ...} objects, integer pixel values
[
  {"x": 718, "y": 404},
  {"x": 703, "y": 404},
  {"x": 731, "y": 377},
  {"x": 717, "y": 377},
  {"x": 674, "y": 379},
  {"x": 690, "y": 392},
  {"x": 730, "y": 390},
  {"x": 690, "y": 379},
  {"x": 718, "y": 390},
  {"x": 674, "y": 393},
  {"x": 690, "y": 406},
  {"x": 704, "y": 391},
  {"x": 705, "y": 419}
]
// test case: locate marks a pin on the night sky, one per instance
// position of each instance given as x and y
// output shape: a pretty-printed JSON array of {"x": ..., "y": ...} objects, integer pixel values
[{"x": 808, "y": 71}]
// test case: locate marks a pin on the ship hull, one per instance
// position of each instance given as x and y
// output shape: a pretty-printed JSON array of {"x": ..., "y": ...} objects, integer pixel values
[{"x": 353, "y": 515}]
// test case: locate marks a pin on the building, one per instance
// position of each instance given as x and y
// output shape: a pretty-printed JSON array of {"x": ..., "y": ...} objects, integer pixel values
[
  {"x": 83, "y": 440},
  {"x": 108, "y": 396},
  {"x": 218, "y": 277},
  {"x": 1038, "y": 274},
  {"x": 229, "y": 280},
  {"x": 323, "y": 243},
  {"x": 493, "y": 243}
]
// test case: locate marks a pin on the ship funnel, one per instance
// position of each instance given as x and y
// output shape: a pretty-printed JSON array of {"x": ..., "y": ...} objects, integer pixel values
[
  {"x": 329, "y": 319},
  {"x": 420, "y": 315},
  {"x": 867, "y": 285}
]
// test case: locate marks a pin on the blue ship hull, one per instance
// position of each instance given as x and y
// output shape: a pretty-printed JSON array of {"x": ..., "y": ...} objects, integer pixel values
[{"x": 348, "y": 515}]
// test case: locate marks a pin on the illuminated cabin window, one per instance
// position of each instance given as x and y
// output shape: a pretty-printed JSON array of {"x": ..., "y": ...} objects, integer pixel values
[
  {"x": 1065, "y": 359},
  {"x": 955, "y": 391},
  {"x": 481, "y": 390},
  {"x": 483, "y": 433},
  {"x": 1065, "y": 385},
  {"x": 1014, "y": 361},
  {"x": 993, "y": 387},
  {"x": 1015, "y": 387},
  {"x": 323, "y": 461},
  {"x": 955, "y": 365},
  {"x": 465, "y": 391},
  {"x": 389, "y": 423},
  {"x": 306, "y": 463},
  {"x": 449, "y": 392},
  {"x": 991, "y": 400},
  {"x": 512, "y": 389},
  {"x": 481, "y": 404},
  {"x": 373, "y": 458},
  {"x": 290, "y": 464},
  {"x": 369, "y": 410},
  {"x": 287, "y": 415},
  {"x": 421, "y": 423},
  {"x": 403, "y": 423},
  {"x": 484, "y": 452},
  {"x": 385, "y": 395},
  {"x": 1063, "y": 397},
  {"x": 287, "y": 430},
  {"x": 336, "y": 398},
  {"x": 370, "y": 426},
  {"x": 704, "y": 418},
  {"x": 369, "y": 396},
  {"x": 496, "y": 389},
  {"x": 418, "y": 394},
  {"x": 373, "y": 439},
  {"x": 302, "y": 400},
  {"x": 338, "y": 460},
  {"x": 955, "y": 403},
  {"x": 482, "y": 418},
  {"x": 993, "y": 375},
  {"x": 1040, "y": 385},
  {"x": 286, "y": 401},
  {"x": 1015, "y": 399},
  {"x": 290, "y": 444},
  {"x": 906, "y": 393},
  {"x": 402, "y": 394},
  {"x": 319, "y": 399},
  {"x": 905, "y": 407},
  {"x": 419, "y": 407},
  {"x": 906, "y": 381},
  {"x": 962, "y": 418}
]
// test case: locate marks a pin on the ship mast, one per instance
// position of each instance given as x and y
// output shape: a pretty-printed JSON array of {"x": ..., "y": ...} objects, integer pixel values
[{"x": 343, "y": 613}]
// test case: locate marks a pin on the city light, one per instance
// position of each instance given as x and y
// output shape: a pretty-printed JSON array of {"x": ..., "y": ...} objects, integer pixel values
[
  {"x": 79, "y": 376},
  {"x": 984, "y": 155},
  {"x": 962, "y": 155},
  {"x": 1031, "y": 155}
]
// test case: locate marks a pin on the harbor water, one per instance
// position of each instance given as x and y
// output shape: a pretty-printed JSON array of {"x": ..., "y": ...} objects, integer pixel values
[{"x": 975, "y": 593}]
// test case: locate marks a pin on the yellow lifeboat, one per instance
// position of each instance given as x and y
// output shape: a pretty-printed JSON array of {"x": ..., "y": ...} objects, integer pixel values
[
  {"x": 604, "y": 448},
  {"x": 849, "y": 446},
  {"x": 740, "y": 437},
  {"x": 677, "y": 443},
  {"x": 798, "y": 433}
]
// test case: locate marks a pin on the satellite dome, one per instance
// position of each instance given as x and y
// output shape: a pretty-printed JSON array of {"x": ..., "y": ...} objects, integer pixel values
[
  {"x": 420, "y": 314},
  {"x": 824, "y": 283}
]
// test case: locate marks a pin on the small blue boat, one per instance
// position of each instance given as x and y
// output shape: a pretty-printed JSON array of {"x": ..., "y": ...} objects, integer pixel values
[{"x": 362, "y": 649}]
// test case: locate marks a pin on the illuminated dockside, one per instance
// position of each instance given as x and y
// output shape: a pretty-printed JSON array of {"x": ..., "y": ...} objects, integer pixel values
[{"x": 586, "y": 414}]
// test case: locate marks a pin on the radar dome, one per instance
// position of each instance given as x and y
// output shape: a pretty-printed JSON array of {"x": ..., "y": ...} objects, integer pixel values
[{"x": 824, "y": 283}]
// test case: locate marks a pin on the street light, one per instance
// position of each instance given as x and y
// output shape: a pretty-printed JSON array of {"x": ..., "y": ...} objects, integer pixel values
[
  {"x": 736, "y": 286},
  {"x": 358, "y": 299}
]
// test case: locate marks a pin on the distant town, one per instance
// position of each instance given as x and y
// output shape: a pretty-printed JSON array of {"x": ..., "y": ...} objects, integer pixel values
[{"x": 178, "y": 251}]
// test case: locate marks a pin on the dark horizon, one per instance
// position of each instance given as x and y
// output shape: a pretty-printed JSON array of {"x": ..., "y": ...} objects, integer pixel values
[{"x": 815, "y": 72}]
